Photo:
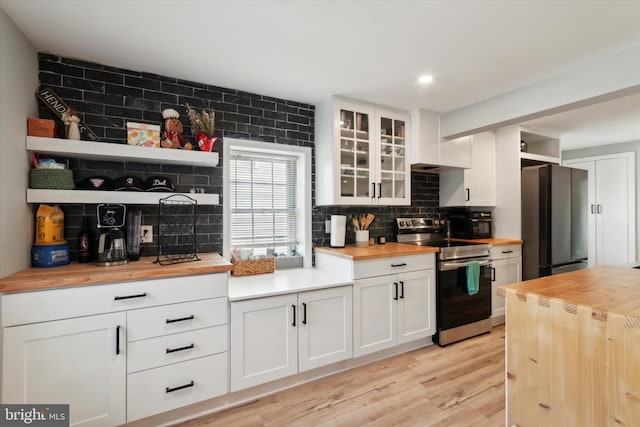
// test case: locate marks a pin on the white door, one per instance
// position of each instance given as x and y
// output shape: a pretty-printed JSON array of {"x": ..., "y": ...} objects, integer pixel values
[
  {"x": 325, "y": 330},
  {"x": 374, "y": 314},
  {"x": 393, "y": 176},
  {"x": 80, "y": 362},
  {"x": 264, "y": 340},
  {"x": 505, "y": 271},
  {"x": 480, "y": 179},
  {"x": 611, "y": 197},
  {"x": 612, "y": 212},
  {"x": 355, "y": 149},
  {"x": 416, "y": 305}
]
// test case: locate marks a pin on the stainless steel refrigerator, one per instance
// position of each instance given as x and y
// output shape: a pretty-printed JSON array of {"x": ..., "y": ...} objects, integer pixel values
[{"x": 554, "y": 220}]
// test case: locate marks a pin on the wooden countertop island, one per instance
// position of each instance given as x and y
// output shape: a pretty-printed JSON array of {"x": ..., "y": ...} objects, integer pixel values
[{"x": 573, "y": 349}]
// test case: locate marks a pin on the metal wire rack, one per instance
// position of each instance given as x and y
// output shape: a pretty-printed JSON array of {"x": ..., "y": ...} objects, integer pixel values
[{"x": 177, "y": 230}]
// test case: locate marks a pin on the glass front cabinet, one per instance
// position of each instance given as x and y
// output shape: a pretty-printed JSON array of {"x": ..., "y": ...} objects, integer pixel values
[{"x": 361, "y": 155}]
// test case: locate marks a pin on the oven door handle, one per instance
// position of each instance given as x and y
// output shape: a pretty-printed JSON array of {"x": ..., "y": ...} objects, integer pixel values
[{"x": 452, "y": 265}]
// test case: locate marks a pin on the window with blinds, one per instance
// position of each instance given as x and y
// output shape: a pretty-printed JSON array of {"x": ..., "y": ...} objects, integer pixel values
[{"x": 262, "y": 202}]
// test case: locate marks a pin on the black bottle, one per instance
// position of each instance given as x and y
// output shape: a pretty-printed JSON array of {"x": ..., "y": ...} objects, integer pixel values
[{"x": 84, "y": 242}]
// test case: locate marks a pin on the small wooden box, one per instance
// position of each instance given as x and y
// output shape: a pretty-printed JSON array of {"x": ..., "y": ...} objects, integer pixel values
[
  {"x": 253, "y": 266},
  {"x": 41, "y": 127}
]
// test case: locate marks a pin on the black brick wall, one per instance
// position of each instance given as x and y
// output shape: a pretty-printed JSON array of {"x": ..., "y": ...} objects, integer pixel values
[{"x": 107, "y": 97}]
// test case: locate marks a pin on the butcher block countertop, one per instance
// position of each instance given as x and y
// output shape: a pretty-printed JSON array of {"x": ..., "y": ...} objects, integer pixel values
[
  {"x": 76, "y": 274},
  {"x": 572, "y": 353},
  {"x": 605, "y": 289},
  {"x": 377, "y": 251}
]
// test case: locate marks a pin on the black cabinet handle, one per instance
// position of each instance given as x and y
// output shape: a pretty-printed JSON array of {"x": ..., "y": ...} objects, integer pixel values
[
  {"x": 304, "y": 313},
  {"x": 181, "y": 319},
  {"x": 294, "y": 314},
  {"x": 507, "y": 252},
  {"x": 593, "y": 209},
  {"x": 187, "y": 347},
  {"x": 373, "y": 190},
  {"x": 395, "y": 285},
  {"x": 493, "y": 274},
  {"x": 180, "y": 387},
  {"x": 468, "y": 194},
  {"x": 399, "y": 265},
  {"x": 117, "y": 339},
  {"x": 599, "y": 209},
  {"x": 379, "y": 190},
  {"x": 130, "y": 296},
  {"x": 401, "y": 289}
]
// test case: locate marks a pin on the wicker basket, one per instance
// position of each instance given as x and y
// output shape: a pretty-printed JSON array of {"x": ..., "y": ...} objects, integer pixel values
[
  {"x": 53, "y": 179},
  {"x": 253, "y": 266}
]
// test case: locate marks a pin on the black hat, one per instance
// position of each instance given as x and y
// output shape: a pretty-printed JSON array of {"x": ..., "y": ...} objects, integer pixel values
[
  {"x": 95, "y": 183},
  {"x": 158, "y": 183},
  {"x": 128, "y": 183}
]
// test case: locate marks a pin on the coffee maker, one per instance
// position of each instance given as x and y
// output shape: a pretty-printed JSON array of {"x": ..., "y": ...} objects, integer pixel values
[{"x": 112, "y": 247}]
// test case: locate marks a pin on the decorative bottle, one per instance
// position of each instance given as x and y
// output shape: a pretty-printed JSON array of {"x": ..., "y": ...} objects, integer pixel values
[{"x": 84, "y": 242}]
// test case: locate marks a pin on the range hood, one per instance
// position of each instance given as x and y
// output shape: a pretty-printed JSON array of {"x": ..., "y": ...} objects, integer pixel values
[{"x": 429, "y": 152}]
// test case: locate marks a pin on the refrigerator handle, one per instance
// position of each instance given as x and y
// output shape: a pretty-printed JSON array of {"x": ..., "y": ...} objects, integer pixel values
[
  {"x": 599, "y": 209},
  {"x": 593, "y": 209}
]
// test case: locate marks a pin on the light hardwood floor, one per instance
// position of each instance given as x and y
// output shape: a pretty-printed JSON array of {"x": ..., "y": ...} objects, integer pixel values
[{"x": 459, "y": 385}]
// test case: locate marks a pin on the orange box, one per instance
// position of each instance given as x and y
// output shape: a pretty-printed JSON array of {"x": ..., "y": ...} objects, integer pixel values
[{"x": 41, "y": 127}]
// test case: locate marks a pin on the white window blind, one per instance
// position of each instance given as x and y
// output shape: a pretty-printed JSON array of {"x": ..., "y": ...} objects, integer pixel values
[{"x": 263, "y": 202}]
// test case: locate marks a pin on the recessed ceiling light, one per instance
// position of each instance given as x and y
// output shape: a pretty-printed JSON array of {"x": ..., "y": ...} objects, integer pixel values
[{"x": 425, "y": 79}]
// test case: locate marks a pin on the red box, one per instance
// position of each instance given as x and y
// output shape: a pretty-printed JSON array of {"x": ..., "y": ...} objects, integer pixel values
[{"x": 41, "y": 127}]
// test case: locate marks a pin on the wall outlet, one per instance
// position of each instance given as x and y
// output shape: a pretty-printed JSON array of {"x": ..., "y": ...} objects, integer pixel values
[
  {"x": 146, "y": 232},
  {"x": 327, "y": 226}
]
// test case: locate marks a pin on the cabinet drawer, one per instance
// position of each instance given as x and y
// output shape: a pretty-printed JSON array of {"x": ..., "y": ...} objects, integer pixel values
[
  {"x": 157, "y": 390},
  {"x": 392, "y": 265},
  {"x": 78, "y": 301},
  {"x": 160, "y": 351},
  {"x": 174, "y": 318},
  {"x": 506, "y": 251}
]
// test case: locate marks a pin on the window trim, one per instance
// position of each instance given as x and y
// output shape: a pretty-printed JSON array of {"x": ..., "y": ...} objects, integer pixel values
[{"x": 303, "y": 155}]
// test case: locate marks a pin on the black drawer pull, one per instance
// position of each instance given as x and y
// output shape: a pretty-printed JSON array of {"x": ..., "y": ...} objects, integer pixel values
[
  {"x": 117, "y": 339},
  {"x": 399, "y": 265},
  {"x": 173, "y": 350},
  {"x": 294, "y": 315},
  {"x": 180, "y": 387},
  {"x": 181, "y": 319},
  {"x": 131, "y": 296},
  {"x": 507, "y": 252}
]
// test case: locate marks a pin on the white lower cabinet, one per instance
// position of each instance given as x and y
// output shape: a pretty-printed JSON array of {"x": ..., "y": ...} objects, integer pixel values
[
  {"x": 278, "y": 336},
  {"x": 157, "y": 345},
  {"x": 80, "y": 362},
  {"x": 506, "y": 264},
  {"x": 393, "y": 309}
]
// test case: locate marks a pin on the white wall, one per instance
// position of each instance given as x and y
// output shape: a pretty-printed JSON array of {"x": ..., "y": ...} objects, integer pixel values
[
  {"x": 507, "y": 219},
  {"x": 18, "y": 85}
]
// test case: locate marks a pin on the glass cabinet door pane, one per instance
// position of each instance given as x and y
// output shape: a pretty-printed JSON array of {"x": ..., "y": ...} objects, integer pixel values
[
  {"x": 347, "y": 183},
  {"x": 346, "y": 123},
  {"x": 362, "y": 183}
]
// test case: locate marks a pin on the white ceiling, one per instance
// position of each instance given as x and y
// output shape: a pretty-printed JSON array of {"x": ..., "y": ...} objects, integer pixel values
[{"x": 372, "y": 50}]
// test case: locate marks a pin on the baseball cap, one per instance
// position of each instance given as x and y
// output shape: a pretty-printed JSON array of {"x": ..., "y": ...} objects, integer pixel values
[
  {"x": 128, "y": 183},
  {"x": 158, "y": 183},
  {"x": 95, "y": 183}
]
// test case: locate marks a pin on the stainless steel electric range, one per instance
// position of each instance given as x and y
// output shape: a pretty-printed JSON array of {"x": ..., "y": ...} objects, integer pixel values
[{"x": 458, "y": 314}]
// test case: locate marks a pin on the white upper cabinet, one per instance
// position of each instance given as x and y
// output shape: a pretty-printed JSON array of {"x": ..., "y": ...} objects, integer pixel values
[
  {"x": 429, "y": 149},
  {"x": 362, "y": 155},
  {"x": 475, "y": 186}
]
